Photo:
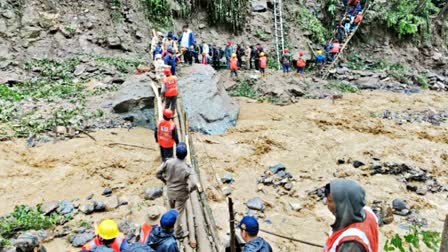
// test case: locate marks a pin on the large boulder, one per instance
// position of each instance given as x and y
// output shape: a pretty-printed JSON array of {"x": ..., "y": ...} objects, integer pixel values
[
  {"x": 209, "y": 108},
  {"x": 135, "y": 101}
]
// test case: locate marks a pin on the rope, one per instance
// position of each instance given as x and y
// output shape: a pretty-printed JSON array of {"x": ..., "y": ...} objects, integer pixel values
[{"x": 292, "y": 239}]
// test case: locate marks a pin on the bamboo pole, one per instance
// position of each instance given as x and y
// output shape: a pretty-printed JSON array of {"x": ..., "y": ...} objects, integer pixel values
[
  {"x": 444, "y": 244},
  {"x": 191, "y": 229}
]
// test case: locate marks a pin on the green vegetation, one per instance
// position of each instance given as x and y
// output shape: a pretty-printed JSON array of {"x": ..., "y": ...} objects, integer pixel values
[
  {"x": 70, "y": 29},
  {"x": 158, "y": 13},
  {"x": 408, "y": 17},
  {"x": 262, "y": 35},
  {"x": 123, "y": 65},
  {"x": 116, "y": 11},
  {"x": 344, "y": 87},
  {"x": 422, "y": 80},
  {"x": 332, "y": 8},
  {"x": 243, "y": 89},
  {"x": 26, "y": 218},
  {"x": 228, "y": 13},
  {"x": 273, "y": 62},
  {"x": 413, "y": 240},
  {"x": 311, "y": 24}
]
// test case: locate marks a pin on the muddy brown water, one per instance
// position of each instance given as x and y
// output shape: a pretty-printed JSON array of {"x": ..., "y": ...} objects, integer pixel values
[{"x": 307, "y": 137}]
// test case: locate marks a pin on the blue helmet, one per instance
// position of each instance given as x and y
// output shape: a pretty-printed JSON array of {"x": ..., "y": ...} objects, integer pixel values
[{"x": 181, "y": 150}]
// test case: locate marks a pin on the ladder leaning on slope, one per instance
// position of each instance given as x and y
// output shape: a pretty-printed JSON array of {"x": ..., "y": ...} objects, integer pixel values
[
  {"x": 278, "y": 29},
  {"x": 326, "y": 71}
]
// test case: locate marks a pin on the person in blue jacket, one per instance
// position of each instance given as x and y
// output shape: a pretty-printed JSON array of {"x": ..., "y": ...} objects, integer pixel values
[
  {"x": 161, "y": 238},
  {"x": 171, "y": 60},
  {"x": 249, "y": 230}
]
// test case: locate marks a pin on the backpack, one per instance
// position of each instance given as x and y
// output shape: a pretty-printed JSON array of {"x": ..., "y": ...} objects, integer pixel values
[
  {"x": 286, "y": 59},
  {"x": 301, "y": 62}
]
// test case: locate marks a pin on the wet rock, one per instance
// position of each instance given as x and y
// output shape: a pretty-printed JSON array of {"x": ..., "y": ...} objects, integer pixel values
[
  {"x": 99, "y": 206},
  {"x": 215, "y": 111},
  {"x": 65, "y": 207},
  {"x": 107, "y": 192},
  {"x": 357, "y": 164},
  {"x": 135, "y": 101},
  {"x": 49, "y": 207},
  {"x": 259, "y": 6},
  {"x": 87, "y": 208},
  {"x": 227, "y": 178},
  {"x": 399, "y": 204},
  {"x": 255, "y": 204},
  {"x": 277, "y": 168},
  {"x": 130, "y": 229},
  {"x": 82, "y": 238},
  {"x": 153, "y": 193},
  {"x": 421, "y": 191}
]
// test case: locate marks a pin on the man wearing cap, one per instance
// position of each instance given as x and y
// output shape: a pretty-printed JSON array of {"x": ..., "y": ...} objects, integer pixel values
[
  {"x": 356, "y": 226},
  {"x": 29, "y": 242},
  {"x": 161, "y": 238},
  {"x": 249, "y": 231},
  {"x": 180, "y": 181},
  {"x": 107, "y": 235},
  {"x": 166, "y": 135}
]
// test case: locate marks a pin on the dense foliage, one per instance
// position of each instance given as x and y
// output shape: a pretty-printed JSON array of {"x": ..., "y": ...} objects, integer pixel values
[
  {"x": 413, "y": 241},
  {"x": 310, "y": 23}
]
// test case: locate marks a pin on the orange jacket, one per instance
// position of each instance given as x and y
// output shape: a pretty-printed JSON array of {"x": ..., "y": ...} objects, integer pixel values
[
  {"x": 336, "y": 48},
  {"x": 263, "y": 62},
  {"x": 301, "y": 62},
  {"x": 116, "y": 246},
  {"x": 170, "y": 86},
  {"x": 358, "y": 19},
  {"x": 164, "y": 133},
  {"x": 366, "y": 233},
  {"x": 144, "y": 232},
  {"x": 233, "y": 64}
]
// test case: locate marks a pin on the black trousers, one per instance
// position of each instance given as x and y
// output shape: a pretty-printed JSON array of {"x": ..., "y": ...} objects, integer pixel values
[
  {"x": 170, "y": 102},
  {"x": 166, "y": 153},
  {"x": 257, "y": 64}
]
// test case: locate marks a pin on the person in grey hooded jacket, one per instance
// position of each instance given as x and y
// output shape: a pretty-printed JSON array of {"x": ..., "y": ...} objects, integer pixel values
[
  {"x": 249, "y": 231},
  {"x": 356, "y": 226}
]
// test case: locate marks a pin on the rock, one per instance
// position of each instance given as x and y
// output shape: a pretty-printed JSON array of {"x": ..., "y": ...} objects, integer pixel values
[
  {"x": 277, "y": 168},
  {"x": 259, "y": 6},
  {"x": 80, "y": 69},
  {"x": 215, "y": 111},
  {"x": 49, "y": 207},
  {"x": 122, "y": 201},
  {"x": 99, "y": 206},
  {"x": 227, "y": 178},
  {"x": 288, "y": 186},
  {"x": 87, "y": 208},
  {"x": 255, "y": 204},
  {"x": 107, "y": 192},
  {"x": 404, "y": 212},
  {"x": 60, "y": 130},
  {"x": 130, "y": 229},
  {"x": 341, "y": 161},
  {"x": 357, "y": 164},
  {"x": 398, "y": 204},
  {"x": 201, "y": 26},
  {"x": 82, "y": 238},
  {"x": 10, "y": 78},
  {"x": 65, "y": 207},
  {"x": 227, "y": 191},
  {"x": 153, "y": 193},
  {"x": 368, "y": 83},
  {"x": 154, "y": 212},
  {"x": 112, "y": 203},
  {"x": 388, "y": 216},
  {"x": 421, "y": 191},
  {"x": 89, "y": 197},
  {"x": 135, "y": 101},
  {"x": 114, "y": 42},
  {"x": 295, "y": 206},
  {"x": 412, "y": 188}
]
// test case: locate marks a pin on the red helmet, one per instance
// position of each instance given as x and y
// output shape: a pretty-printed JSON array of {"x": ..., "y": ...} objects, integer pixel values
[
  {"x": 285, "y": 50},
  {"x": 168, "y": 113},
  {"x": 229, "y": 42},
  {"x": 167, "y": 71},
  {"x": 301, "y": 53}
]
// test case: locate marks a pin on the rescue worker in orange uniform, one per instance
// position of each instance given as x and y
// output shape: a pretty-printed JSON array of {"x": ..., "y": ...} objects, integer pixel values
[
  {"x": 263, "y": 64},
  {"x": 335, "y": 49},
  {"x": 166, "y": 135},
  {"x": 169, "y": 90},
  {"x": 107, "y": 235},
  {"x": 356, "y": 226},
  {"x": 301, "y": 63},
  {"x": 233, "y": 65}
]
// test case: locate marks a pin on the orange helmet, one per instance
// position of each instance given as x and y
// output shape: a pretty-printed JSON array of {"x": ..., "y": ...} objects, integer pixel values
[
  {"x": 301, "y": 53},
  {"x": 167, "y": 71},
  {"x": 168, "y": 113}
]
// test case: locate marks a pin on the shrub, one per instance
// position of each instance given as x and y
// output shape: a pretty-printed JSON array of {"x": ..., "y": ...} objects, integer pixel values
[
  {"x": 310, "y": 23},
  {"x": 243, "y": 89},
  {"x": 413, "y": 241}
]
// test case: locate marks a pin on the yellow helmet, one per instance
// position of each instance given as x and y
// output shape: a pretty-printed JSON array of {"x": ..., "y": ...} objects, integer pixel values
[
  {"x": 233, "y": 55},
  {"x": 319, "y": 52},
  {"x": 108, "y": 229},
  {"x": 261, "y": 54}
]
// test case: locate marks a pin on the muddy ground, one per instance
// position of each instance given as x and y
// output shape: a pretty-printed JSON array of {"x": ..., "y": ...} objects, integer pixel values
[{"x": 308, "y": 138}]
